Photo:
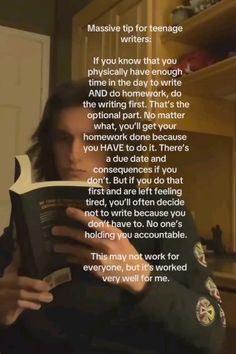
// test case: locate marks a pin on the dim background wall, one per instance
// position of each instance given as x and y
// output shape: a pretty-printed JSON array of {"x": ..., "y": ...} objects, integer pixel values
[{"x": 49, "y": 17}]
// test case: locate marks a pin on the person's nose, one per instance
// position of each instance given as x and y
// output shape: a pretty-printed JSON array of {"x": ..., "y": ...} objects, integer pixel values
[{"x": 76, "y": 150}]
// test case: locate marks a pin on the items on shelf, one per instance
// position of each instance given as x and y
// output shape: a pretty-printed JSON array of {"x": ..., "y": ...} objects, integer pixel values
[
  {"x": 196, "y": 60},
  {"x": 200, "y": 5},
  {"x": 189, "y": 8},
  {"x": 217, "y": 240},
  {"x": 216, "y": 243},
  {"x": 180, "y": 13}
]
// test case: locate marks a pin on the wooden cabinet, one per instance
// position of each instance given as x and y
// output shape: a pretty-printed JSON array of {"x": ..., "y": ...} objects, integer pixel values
[
  {"x": 211, "y": 91},
  {"x": 87, "y": 45},
  {"x": 214, "y": 27},
  {"x": 212, "y": 95}
]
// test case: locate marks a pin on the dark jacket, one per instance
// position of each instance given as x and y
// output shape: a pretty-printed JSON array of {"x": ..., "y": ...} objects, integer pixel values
[{"x": 182, "y": 315}]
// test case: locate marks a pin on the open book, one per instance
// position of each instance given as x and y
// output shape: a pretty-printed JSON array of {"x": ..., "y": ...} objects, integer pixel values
[{"x": 36, "y": 208}]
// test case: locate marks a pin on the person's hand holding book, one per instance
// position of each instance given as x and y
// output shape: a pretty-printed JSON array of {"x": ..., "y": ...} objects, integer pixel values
[
  {"x": 19, "y": 293},
  {"x": 85, "y": 252}
]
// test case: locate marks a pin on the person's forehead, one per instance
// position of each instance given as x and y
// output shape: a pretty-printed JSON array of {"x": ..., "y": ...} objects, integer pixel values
[{"x": 74, "y": 120}]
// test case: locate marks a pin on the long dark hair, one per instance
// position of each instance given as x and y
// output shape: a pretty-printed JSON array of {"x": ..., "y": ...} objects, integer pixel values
[{"x": 67, "y": 95}]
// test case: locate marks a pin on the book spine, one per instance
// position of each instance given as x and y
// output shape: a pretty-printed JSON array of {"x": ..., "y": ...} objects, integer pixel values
[{"x": 22, "y": 233}]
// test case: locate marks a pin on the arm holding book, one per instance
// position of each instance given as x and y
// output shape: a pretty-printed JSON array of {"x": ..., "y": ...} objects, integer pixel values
[
  {"x": 82, "y": 255},
  {"x": 17, "y": 293}
]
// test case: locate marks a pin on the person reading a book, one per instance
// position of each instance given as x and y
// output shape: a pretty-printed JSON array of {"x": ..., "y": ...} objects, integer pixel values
[{"x": 127, "y": 305}]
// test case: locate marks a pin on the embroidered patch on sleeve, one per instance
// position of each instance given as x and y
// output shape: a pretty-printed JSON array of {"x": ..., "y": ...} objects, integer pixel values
[
  {"x": 199, "y": 254},
  {"x": 205, "y": 312},
  {"x": 222, "y": 316},
  {"x": 212, "y": 288}
]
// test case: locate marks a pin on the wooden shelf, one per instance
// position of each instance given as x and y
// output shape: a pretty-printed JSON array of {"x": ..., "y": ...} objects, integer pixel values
[
  {"x": 210, "y": 26},
  {"x": 216, "y": 81}
]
